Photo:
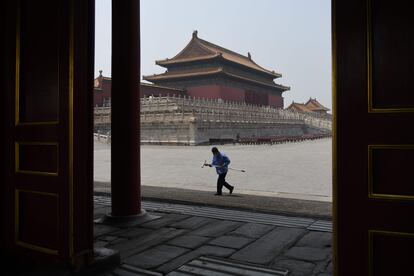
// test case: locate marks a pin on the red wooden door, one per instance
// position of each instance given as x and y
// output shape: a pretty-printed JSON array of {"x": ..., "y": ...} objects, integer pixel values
[
  {"x": 49, "y": 125},
  {"x": 374, "y": 142}
]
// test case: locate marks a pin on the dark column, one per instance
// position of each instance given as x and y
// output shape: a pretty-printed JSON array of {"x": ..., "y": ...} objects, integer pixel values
[{"x": 125, "y": 163}]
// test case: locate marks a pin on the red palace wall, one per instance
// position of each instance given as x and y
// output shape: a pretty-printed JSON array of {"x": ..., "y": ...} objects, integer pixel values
[
  {"x": 208, "y": 91},
  {"x": 235, "y": 94},
  {"x": 232, "y": 94},
  {"x": 97, "y": 97},
  {"x": 216, "y": 92},
  {"x": 146, "y": 90},
  {"x": 256, "y": 98},
  {"x": 275, "y": 101},
  {"x": 100, "y": 94}
]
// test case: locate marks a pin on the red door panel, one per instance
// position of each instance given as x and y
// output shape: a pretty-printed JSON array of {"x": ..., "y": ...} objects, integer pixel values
[
  {"x": 374, "y": 141},
  {"x": 49, "y": 82}
]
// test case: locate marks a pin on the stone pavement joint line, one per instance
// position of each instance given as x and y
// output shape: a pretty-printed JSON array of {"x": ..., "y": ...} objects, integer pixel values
[
  {"x": 217, "y": 266},
  {"x": 234, "y": 215},
  {"x": 129, "y": 270}
]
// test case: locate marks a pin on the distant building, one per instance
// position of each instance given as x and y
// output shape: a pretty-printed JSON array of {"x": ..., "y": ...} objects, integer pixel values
[
  {"x": 315, "y": 106},
  {"x": 312, "y": 105},
  {"x": 299, "y": 107},
  {"x": 207, "y": 70},
  {"x": 102, "y": 90}
]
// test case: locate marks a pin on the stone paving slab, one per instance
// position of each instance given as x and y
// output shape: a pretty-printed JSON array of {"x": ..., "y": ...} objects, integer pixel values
[
  {"x": 216, "y": 229},
  {"x": 164, "y": 221},
  {"x": 296, "y": 268},
  {"x": 189, "y": 241},
  {"x": 155, "y": 256},
  {"x": 252, "y": 230},
  {"x": 108, "y": 238},
  {"x": 316, "y": 239},
  {"x": 100, "y": 211},
  {"x": 329, "y": 268},
  {"x": 118, "y": 240},
  {"x": 265, "y": 249},
  {"x": 101, "y": 229},
  {"x": 129, "y": 270},
  {"x": 100, "y": 244},
  {"x": 231, "y": 241},
  {"x": 308, "y": 253},
  {"x": 208, "y": 266},
  {"x": 131, "y": 247},
  {"x": 321, "y": 267},
  {"x": 205, "y": 250},
  {"x": 193, "y": 223},
  {"x": 131, "y": 233}
]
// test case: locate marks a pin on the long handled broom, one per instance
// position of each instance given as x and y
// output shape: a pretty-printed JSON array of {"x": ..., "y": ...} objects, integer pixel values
[{"x": 233, "y": 169}]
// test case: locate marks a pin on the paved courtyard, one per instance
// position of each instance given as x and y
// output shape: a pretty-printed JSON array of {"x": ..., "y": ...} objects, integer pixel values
[
  {"x": 277, "y": 221},
  {"x": 195, "y": 240},
  {"x": 292, "y": 170}
]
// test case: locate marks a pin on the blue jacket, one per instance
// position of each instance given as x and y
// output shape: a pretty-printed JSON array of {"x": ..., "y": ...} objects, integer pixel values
[{"x": 221, "y": 161}]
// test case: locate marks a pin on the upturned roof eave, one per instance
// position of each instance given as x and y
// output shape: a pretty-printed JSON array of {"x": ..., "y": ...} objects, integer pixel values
[
  {"x": 299, "y": 107},
  {"x": 320, "y": 108},
  {"x": 314, "y": 104},
  {"x": 161, "y": 87},
  {"x": 206, "y": 44},
  {"x": 262, "y": 71},
  {"x": 165, "y": 76},
  {"x": 274, "y": 85},
  {"x": 168, "y": 75},
  {"x": 165, "y": 62}
]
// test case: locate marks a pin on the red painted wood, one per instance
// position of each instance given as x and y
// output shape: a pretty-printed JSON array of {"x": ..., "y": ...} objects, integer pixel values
[
  {"x": 54, "y": 80},
  {"x": 33, "y": 206},
  {"x": 357, "y": 213},
  {"x": 232, "y": 94},
  {"x": 4, "y": 121},
  {"x": 102, "y": 92},
  {"x": 275, "y": 101},
  {"x": 45, "y": 216},
  {"x": 256, "y": 97},
  {"x": 207, "y": 91},
  {"x": 125, "y": 148},
  {"x": 83, "y": 126}
]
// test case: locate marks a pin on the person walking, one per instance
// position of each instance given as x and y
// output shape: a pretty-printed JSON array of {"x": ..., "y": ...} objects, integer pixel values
[{"x": 221, "y": 162}]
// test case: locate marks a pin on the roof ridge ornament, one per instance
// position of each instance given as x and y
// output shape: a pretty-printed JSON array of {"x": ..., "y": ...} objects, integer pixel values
[
  {"x": 195, "y": 34},
  {"x": 249, "y": 55}
]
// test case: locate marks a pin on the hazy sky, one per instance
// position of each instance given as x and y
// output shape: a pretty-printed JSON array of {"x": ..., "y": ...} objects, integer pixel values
[{"x": 291, "y": 37}]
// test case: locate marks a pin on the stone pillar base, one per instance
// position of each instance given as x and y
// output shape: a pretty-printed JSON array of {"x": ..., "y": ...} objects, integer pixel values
[
  {"x": 104, "y": 259},
  {"x": 126, "y": 221}
]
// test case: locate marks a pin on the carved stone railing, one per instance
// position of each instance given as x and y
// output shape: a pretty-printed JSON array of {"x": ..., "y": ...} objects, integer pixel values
[
  {"x": 102, "y": 137},
  {"x": 176, "y": 109}
]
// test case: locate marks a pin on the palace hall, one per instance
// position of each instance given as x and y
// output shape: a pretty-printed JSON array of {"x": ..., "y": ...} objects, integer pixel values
[{"x": 205, "y": 70}]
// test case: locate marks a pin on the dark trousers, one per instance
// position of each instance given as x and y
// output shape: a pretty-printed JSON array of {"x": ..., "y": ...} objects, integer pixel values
[{"x": 221, "y": 181}]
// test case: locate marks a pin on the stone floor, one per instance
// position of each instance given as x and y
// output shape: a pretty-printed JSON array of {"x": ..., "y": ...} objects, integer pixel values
[{"x": 197, "y": 240}]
